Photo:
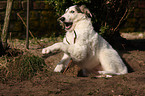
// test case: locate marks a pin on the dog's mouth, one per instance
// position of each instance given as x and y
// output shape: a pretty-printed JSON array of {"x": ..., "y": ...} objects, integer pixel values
[{"x": 68, "y": 25}]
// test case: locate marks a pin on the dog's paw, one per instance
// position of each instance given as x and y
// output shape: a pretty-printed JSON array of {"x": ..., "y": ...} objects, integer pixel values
[
  {"x": 101, "y": 72},
  {"x": 58, "y": 68},
  {"x": 45, "y": 51},
  {"x": 103, "y": 76}
]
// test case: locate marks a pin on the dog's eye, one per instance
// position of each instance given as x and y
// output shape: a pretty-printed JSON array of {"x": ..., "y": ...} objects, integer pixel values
[{"x": 72, "y": 11}]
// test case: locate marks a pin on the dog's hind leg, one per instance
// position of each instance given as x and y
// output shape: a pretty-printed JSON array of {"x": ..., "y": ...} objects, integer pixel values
[
  {"x": 111, "y": 63},
  {"x": 62, "y": 64}
]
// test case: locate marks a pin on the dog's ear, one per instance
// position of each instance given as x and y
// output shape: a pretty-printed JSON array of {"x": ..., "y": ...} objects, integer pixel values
[{"x": 84, "y": 9}]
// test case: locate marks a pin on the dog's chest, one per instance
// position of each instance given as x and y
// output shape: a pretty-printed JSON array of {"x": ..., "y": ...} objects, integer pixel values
[{"x": 71, "y": 37}]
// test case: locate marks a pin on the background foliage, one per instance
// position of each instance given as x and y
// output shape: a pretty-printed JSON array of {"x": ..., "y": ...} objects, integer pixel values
[{"x": 106, "y": 13}]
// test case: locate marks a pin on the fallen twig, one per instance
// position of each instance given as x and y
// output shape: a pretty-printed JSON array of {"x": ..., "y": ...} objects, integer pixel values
[{"x": 67, "y": 66}]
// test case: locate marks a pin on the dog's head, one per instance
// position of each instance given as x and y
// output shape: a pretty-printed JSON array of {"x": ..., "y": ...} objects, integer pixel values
[{"x": 72, "y": 15}]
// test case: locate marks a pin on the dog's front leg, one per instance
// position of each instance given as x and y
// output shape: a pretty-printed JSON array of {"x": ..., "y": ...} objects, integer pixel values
[
  {"x": 55, "y": 47},
  {"x": 62, "y": 64}
]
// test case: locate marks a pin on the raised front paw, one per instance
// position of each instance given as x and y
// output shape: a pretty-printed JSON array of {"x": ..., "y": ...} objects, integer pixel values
[{"x": 45, "y": 51}]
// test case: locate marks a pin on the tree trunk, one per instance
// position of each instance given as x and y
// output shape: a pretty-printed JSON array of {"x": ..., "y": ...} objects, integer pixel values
[{"x": 6, "y": 25}]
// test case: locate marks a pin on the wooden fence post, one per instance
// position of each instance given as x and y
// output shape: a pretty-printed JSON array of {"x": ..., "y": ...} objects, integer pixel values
[
  {"x": 6, "y": 24},
  {"x": 27, "y": 29}
]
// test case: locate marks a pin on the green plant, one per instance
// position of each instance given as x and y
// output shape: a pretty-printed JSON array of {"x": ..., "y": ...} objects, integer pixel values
[{"x": 22, "y": 67}]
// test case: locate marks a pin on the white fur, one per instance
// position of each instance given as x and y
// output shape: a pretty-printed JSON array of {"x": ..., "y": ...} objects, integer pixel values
[{"x": 90, "y": 48}]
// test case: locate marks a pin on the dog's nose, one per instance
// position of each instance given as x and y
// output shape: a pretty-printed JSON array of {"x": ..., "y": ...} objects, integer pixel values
[{"x": 62, "y": 18}]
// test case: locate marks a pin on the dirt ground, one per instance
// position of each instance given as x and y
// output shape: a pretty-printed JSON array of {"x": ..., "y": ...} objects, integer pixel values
[{"x": 68, "y": 84}]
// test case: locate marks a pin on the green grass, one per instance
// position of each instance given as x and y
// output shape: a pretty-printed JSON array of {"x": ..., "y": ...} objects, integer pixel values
[{"x": 22, "y": 67}]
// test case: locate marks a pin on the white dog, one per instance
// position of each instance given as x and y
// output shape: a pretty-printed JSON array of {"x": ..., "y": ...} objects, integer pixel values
[{"x": 84, "y": 46}]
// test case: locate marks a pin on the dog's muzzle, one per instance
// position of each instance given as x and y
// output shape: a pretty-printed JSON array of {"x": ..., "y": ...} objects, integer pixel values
[{"x": 67, "y": 25}]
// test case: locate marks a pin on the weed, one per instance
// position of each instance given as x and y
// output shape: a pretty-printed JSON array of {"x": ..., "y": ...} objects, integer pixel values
[{"x": 22, "y": 67}]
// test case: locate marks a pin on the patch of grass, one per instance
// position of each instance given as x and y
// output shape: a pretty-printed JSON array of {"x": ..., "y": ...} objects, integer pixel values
[{"x": 22, "y": 67}]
